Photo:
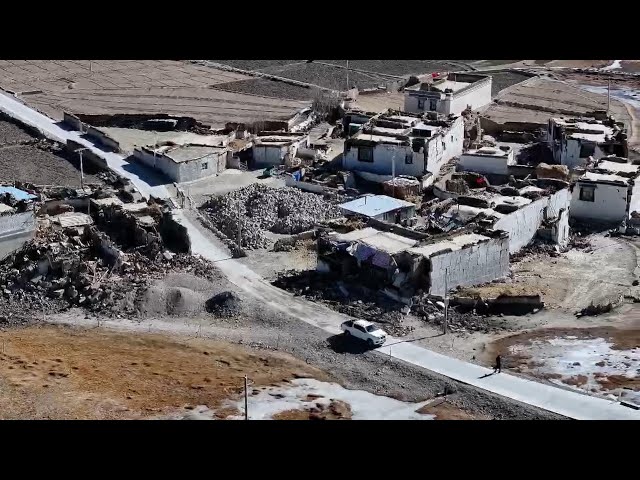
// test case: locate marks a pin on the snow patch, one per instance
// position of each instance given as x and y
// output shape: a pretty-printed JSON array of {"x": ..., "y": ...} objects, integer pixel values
[{"x": 614, "y": 66}]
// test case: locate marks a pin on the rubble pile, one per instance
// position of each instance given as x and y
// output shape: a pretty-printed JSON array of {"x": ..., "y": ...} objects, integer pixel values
[
  {"x": 60, "y": 269},
  {"x": 259, "y": 208},
  {"x": 432, "y": 311},
  {"x": 347, "y": 297}
]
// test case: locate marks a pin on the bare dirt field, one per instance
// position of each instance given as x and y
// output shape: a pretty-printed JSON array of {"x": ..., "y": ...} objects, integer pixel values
[
  {"x": 536, "y": 99},
  {"x": 150, "y": 87},
  {"x": 64, "y": 373},
  {"x": 26, "y": 159}
]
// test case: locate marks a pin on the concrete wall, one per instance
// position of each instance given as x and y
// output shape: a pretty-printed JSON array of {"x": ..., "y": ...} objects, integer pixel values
[
  {"x": 485, "y": 164},
  {"x": 15, "y": 231},
  {"x": 609, "y": 203},
  {"x": 268, "y": 154},
  {"x": 71, "y": 120},
  {"x": 444, "y": 147},
  {"x": 102, "y": 138},
  {"x": 472, "y": 265},
  {"x": 383, "y": 158},
  {"x": 192, "y": 170},
  {"x": 87, "y": 155},
  {"x": 522, "y": 225},
  {"x": 634, "y": 200}
]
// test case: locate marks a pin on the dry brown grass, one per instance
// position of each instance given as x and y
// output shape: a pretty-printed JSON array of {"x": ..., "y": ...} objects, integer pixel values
[
  {"x": 445, "y": 410},
  {"x": 70, "y": 373}
]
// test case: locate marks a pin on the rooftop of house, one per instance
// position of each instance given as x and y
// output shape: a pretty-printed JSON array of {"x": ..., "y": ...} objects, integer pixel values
[
  {"x": 278, "y": 138},
  {"x": 457, "y": 242},
  {"x": 617, "y": 167},
  {"x": 490, "y": 151},
  {"x": 401, "y": 127},
  {"x": 385, "y": 241},
  {"x": 591, "y": 130},
  {"x": 452, "y": 83},
  {"x": 187, "y": 153},
  {"x": 373, "y": 205},
  {"x": 604, "y": 178}
]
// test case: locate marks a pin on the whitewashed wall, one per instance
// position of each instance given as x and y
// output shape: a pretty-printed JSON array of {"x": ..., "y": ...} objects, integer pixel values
[{"x": 609, "y": 205}]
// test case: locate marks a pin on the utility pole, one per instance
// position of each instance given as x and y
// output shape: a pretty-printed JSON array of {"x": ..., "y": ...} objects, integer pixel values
[
  {"x": 347, "y": 75},
  {"x": 239, "y": 241},
  {"x": 393, "y": 172},
  {"x": 79, "y": 152},
  {"x": 246, "y": 398},
  {"x": 608, "y": 95},
  {"x": 446, "y": 301}
]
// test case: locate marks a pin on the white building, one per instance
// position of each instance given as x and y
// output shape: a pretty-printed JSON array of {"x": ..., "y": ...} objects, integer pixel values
[
  {"x": 573, "y": 141},
  {"x": 450, "y": 95},
  {"x": 404, "y": 144},
  {"x": 185, "y": 163},
  {"x": 487, "y": 160},
  {"x": 380, "y": 207},
  {"x": 608, "y": 193},
  {"x": 274, "y": 148}
]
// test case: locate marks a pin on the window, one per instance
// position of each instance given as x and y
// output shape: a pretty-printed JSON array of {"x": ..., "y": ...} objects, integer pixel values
[
  {"x": 420, "y": 104},
  {"x": 587, "y": 194},
  {"x": 204, "y": 165},
  {"x": 433, "y": 105},
  {"x": 365, "y": 154},
  {"x": 408, "y": 159},
  {"x": 359, "y": 327},
  {"x": 452, "y": 138},
  {"x": 587, "y": 149}
]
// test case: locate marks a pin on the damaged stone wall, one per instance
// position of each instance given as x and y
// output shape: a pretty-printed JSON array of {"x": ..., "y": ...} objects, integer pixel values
[
  {"x": 523, "y": 224},
  {"x": 471, "y": 265},
  {"x": 174, "y": 235}
]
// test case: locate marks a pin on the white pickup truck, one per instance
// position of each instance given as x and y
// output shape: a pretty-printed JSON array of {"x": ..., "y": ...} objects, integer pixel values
[{"x": 366, "y": 331}]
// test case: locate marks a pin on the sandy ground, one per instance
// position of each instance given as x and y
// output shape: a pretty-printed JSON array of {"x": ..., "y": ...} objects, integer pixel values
[
  {"x": 65, "y": 373},
  {"x": 268, "y": 263}
]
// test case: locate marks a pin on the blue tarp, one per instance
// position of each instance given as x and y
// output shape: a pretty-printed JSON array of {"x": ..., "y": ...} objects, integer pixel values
[{"x": 17, "y": 193}]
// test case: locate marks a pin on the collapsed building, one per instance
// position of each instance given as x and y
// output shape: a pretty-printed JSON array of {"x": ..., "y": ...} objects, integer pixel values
[
  {"x": 574, "y": 140},
  {"x": 449, "y": 94},
  {"x": 185, "y": 163},
  {"x": 527, "y": 210},
  {"x": 607, "y": 193},
  {"x": 403, "y": 144},
  {"x": 402, "y": 266}
]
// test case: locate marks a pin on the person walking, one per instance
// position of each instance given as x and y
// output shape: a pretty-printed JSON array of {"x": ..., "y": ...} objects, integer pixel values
[{"x": 498, "y": 367}]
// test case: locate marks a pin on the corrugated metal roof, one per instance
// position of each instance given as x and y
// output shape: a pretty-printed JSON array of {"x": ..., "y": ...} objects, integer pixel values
[
  {"x": 17, "y": 193},
  {"x": 374, "y": 205}
]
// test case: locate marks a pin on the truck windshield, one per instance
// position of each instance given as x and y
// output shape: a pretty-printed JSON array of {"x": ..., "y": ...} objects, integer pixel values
[{"x": 371, "y": 328}]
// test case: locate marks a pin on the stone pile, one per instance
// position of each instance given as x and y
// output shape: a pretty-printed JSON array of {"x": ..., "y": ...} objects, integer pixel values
[
  {"x": 61, "y": 269},
  {"x": 258, "y": 208}
]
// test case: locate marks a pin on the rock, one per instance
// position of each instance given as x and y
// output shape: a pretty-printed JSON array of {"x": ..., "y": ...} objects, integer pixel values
[
  {"x": 636, "y": 283},
  {"x": 56, "y": 293}
]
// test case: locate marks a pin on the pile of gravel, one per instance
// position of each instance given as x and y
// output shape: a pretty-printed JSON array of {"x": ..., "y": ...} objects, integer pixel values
[
  {"x": 225, "y": 304},
  {"x": 258, "y": 208}
]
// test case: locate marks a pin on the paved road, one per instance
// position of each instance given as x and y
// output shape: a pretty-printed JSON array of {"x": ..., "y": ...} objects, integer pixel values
[
  {"x": 563, "y": 402},
  {"x": 145, "y": 181}
]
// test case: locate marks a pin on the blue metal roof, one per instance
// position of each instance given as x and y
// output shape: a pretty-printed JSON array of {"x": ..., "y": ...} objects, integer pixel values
[
  {"x": 374, "y": 205},
  {"x": 17, "y": 193}
]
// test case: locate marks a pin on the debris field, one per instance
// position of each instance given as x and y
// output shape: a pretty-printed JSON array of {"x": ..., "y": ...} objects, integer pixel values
[{"x": 258, "y": 209}]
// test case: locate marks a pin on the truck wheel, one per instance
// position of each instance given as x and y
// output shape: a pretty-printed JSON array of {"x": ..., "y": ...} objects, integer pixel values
[
  {"x": 370, "y": 343},
  {"x": 346, "y": 333}
]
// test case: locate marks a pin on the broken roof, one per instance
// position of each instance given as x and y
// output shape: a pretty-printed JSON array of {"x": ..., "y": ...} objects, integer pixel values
[
  {"x": 453, "y": 243},
  {"x": 380, "y": 240},
  {"x": 604, "y": 178},
  {"x": 616, "y": 167},
  {"x": 591, "y": 130},
  {"x": 374, "y": 205}
]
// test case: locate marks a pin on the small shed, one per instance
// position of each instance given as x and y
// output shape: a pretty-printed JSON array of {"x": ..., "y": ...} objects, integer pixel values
[{"x": 379, "y": 207}]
